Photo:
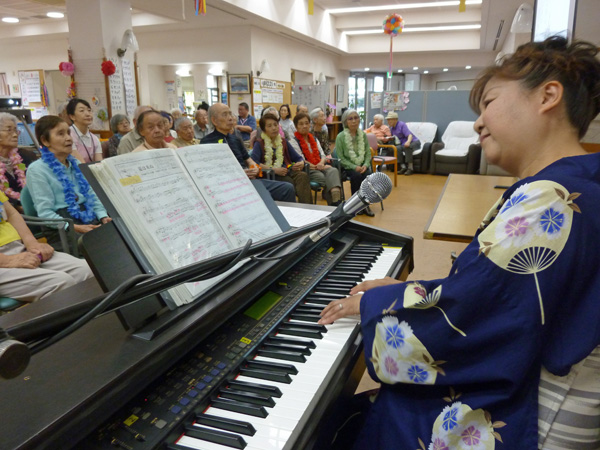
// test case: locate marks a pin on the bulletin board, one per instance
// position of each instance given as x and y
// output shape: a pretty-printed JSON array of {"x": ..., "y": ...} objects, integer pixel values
[
  {"x": 270, "y": 93},
  {"x": 34, "y": 95},
  {"x": 313, "y": 96}
]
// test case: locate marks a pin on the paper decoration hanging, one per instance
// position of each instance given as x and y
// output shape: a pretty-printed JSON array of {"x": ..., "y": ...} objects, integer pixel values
[
  {"x": 311, "y": 7},
  {"x": 201, "y": 7},
  {"x": 392, "y": 25},
  {"x": 108, "y": 68},
  {"x": 66, "y": 68},
  {"x": 462, "y": 6}
]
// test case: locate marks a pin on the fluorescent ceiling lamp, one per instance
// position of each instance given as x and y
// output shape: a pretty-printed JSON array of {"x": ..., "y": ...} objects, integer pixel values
[
  {"x": 183, "y": 72},
  {"x": 399, "y": 6},
  {"x": 367, "y": 69},
  {"x": 426, "y": 71},
  {"x": 445, "y": 69},
  {"x": 400, "y": 71},
  {"x": 467, "y": 67},
  {"x": 415, "y": 68},
  {"x": 10, "y": 20},
  {"x": 55, "y": 15},
  {"x": 418, "y": 29}
]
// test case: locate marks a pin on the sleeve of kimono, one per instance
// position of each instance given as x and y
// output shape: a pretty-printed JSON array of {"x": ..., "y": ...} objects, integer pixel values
[{"x": 486, "y": 321}]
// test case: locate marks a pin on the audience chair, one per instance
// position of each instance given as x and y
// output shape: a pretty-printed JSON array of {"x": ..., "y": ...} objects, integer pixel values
[
  {"x": 68, "y": 238},
  {"x": 425, "y": 133},
  {"x": 335, "y": 162},
  {"x": 8, "y": 304},
  {"x": 378, "y": 160},
  {"x": 314, "y": 186},
  {"x": 459, "y": 151}
]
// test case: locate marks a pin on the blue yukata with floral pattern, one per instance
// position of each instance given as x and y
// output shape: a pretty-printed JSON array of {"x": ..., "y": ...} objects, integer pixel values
[{"x": 459, "y": 358}]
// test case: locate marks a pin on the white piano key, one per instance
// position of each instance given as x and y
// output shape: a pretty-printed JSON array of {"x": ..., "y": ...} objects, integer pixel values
[{"x": 259, "y": 443}]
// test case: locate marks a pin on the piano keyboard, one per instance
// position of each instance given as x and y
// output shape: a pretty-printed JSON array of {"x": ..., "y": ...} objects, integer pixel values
[{"x": 278, "y": 386}]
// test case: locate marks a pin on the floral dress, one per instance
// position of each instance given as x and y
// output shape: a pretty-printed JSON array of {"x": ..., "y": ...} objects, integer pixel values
[{"x": 459, "y": 358}]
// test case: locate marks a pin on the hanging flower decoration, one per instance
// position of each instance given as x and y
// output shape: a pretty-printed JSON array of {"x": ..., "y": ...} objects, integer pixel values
[
  {"x": 108, "y": 68},
  {"x": 393, "y": 24},
  {"x": 66, "y": 68},
  {"x": 71, "y": 93}
]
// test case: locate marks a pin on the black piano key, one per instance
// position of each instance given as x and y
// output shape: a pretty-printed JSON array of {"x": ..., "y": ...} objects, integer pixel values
[
  {"x": 361, "y": 260},
  {"x": 362, "y": 268},
  {"x": 367, "y": 244},
  {"x": 268, "y": 365},
  {"x": 301, "y": 309},
  {"x": 316, "y": 295},
  {"x": 235, "y": 426},
  {"x": 283, "y": 340},
  {"x": 282, "y": 354},
  {"x": 303, "y": 326},
  {"x": 340, "y": 292},
  {"x": 345, "y": 276},
  {"x": 301, "y": 332},
  {"x": 247, "y": 397},
  {"x": 272, "y": 391},
  {"x": 240, "y": 407},
  {"x": 344, "y": 286},
  {"x": 216, "y": 436},
  {"x": 293, "y": 348},
  {"x": 365, "y": 251},
  {"x": 267, "y": 375},
  {"x": 306, "y": 317}
]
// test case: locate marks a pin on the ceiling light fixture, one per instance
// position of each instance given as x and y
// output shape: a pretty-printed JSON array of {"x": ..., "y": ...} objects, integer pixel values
[
  {"x": 445, "y": 69},
  {"x": 415, "y": 68},
  {"x": 426, "y": 71},
  {"x": 467, "y": 67},
  {"x": 264, "y": 67},
  {"x": 367, "y": 69},
  {"x": 358, "y": 9},
  {"x": 417, "y": 29},
  {"x": 10, "y": 20},
  {"x": 55, "y": 15},
  {"x": 128, "y": 41},
  {"x": 400, "y": 70}
]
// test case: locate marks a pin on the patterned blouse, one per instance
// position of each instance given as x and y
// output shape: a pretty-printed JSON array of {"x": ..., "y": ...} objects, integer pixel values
[{"x": 459, "y": 358}]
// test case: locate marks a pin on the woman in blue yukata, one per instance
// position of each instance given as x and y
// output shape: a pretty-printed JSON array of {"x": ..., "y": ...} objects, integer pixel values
[{"x": 503, "y": 353}]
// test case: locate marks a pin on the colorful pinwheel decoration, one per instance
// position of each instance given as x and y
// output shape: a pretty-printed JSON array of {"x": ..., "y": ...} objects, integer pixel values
[
  {"x": 201, "y": 7},
  {"x": 392, "y": 25}
]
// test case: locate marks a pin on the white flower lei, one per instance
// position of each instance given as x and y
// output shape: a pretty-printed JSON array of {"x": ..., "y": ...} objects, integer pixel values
[
  {"x": 269, "y": 151},
  {"x": 360, "y": 141}
]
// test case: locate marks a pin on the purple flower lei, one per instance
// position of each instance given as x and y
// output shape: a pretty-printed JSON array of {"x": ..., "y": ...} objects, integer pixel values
[{"x": 87, "y": 215}]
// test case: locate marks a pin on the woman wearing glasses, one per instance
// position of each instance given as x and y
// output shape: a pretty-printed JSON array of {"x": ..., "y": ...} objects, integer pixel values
[
  {"x": 352, "y": 148},
  {"x": 12, "y": 161}
]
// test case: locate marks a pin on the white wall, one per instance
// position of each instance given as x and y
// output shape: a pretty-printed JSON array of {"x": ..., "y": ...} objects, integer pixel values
[{"x": 429, "y": 82}]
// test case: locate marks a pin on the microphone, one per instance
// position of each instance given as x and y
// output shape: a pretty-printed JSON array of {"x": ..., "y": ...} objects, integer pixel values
[
  {"x": 373, "y": 189},
  {"x": 14, "y": 356}
]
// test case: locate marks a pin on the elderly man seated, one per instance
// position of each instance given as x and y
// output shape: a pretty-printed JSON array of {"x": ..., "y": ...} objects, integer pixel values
[
  {"x": 221, "y": 117},
  {"x": 30, "y": 270},
  {"x": 406, "y": 143},
  {"x": 202, "y": 127},
  {"x": 185, "y": 133}
]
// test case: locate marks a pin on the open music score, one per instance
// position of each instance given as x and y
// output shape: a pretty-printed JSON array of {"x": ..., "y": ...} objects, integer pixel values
[{"x": 185, "y": 205}]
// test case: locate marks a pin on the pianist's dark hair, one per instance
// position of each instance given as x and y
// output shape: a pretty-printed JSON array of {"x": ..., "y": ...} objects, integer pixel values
[{"x": 575, "y": 66}]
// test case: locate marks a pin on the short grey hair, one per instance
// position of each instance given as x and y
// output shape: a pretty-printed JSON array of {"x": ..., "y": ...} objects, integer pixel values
[
  {"x": 115, "y": 121},
  {"x": 346, "y": 115},
  {"x": 5, "y": 117},
  {"x": 315, "y": 112},
  {"x": 139, "y": 110},
  {"x": 378, "y": 116},
  {"x": 180, "y": 122}
]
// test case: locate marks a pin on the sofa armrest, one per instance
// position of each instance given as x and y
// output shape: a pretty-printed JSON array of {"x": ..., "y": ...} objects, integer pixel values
[
  {"x": 436, "y": 147},
  {"x": 473, "y": 158}
]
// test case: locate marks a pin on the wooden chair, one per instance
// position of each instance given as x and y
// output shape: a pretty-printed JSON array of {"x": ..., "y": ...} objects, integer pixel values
[{"x": 378, "y": 160}]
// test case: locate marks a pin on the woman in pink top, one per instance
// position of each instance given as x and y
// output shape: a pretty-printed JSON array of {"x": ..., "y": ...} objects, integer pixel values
[
  {"x": 86, "y": 146},
  {"x": 380, "y": 130}
]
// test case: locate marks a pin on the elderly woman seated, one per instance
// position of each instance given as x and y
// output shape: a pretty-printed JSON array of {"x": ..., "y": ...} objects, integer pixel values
[
  {"x": 273, "y": 152},
  {"x": 318, "y": 129},
  {"x": 185, "y": 133},
  {"x": 57, "y": 186},
  {"x": 352, "y": 148},
  {"x": 150, "y": 125},
  {"x": 256, "y": 133},
  {"x": 306, "y": 145},
  {"x": 12, "y": 161},
  {"x": 30, "y": 270},
  {"x": 381, "y": 131},
  {"x": 120, "y": 126}
]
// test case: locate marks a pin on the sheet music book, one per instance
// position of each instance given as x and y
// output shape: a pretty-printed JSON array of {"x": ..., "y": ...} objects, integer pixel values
[{"x": 185, "y": 205}]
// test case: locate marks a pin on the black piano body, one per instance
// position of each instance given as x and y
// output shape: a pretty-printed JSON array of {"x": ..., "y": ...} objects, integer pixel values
[{"x": 80, "y": 392}]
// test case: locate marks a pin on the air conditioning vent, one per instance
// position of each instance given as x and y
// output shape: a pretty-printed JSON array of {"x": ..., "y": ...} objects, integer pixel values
[{"x": 498, "y": 34}]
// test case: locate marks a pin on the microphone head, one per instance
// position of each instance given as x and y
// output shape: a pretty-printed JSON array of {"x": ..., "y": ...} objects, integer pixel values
[{"x": 376, "y": 187}]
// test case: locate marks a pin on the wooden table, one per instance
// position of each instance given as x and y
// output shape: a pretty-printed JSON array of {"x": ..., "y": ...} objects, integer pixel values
[
  {"x": 334, "y": 129},
  {"x": 463, "y": 204}
]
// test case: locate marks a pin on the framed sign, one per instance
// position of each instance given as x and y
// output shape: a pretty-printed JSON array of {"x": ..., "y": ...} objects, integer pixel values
[
  {"x": 339, "y": 93},
  {"x": 239, "y": 84}
]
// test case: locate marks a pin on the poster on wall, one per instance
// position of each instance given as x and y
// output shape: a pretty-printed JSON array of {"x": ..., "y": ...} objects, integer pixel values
[
  {"x": 115, "y": 88},
  {"x": 375, "y": 99},
  {"x": 395, "y": 101},
  {"x": 129, "y": 85},
  {"x": 30, "y": 87}
]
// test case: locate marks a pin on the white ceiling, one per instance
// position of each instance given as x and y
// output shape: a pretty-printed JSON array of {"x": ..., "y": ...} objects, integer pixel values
[{"x": 495, "y": 17}]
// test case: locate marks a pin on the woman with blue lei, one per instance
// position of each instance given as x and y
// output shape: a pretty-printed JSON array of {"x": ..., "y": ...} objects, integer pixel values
[
  {"x": 57, "y": 186},
  {"x": 504, "y": 352}
]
